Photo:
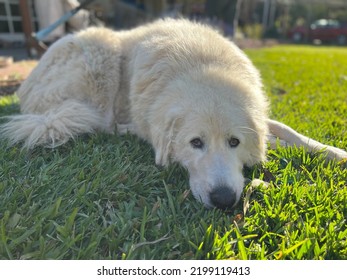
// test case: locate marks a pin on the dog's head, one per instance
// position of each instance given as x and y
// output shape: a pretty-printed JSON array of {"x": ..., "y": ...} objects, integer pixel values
[{"x": 213, "y": 127}]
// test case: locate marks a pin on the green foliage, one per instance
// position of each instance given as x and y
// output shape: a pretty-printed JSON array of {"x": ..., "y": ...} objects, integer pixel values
[{"x": 102, "y": 197}]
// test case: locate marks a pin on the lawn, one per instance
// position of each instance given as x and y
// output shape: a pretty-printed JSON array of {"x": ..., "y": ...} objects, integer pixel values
[{"x": 102, "y": 197}]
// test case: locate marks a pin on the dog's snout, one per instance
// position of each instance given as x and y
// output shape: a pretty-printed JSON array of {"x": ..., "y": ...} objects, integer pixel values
[{"x": 223, "y": 197}]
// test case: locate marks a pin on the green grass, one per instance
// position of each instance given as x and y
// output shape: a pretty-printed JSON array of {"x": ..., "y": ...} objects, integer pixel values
[{"x": 102, "y": 197}]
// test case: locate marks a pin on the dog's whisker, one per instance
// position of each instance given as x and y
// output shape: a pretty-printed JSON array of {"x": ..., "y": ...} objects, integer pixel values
[{"x": 247, "y": 129}]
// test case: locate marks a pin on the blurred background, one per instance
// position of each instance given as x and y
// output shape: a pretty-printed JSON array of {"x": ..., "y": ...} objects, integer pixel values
[
  {"x": 294, "y": 20},
  {"x": 250, "y": 23}
]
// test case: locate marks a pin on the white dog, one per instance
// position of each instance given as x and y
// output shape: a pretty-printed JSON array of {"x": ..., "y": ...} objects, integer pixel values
[{"x": 179, "y": 85}]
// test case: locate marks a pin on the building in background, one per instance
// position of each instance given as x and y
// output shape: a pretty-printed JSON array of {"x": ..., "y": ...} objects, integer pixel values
[{"x": 11, "y": 27}]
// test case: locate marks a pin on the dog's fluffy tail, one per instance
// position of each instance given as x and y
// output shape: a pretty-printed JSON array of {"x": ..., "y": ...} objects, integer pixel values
[{"x": 54, "y": 127}]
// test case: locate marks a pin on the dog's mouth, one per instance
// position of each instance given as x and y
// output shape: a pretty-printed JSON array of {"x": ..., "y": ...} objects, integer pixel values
[
  {"x": 222, "y": 197},
  {"x": 218, "y": 194}
]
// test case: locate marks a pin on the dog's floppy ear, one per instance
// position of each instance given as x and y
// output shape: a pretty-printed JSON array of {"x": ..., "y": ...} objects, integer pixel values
[
  {"x": 163, "y": 136},
  {"x": 256, "y": 139}
]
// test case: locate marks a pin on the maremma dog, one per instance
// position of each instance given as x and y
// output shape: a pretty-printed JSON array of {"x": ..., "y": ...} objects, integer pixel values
[{"x": 181, "y": 86}]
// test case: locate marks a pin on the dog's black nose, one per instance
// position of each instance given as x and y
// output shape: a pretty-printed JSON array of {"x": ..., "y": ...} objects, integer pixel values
[{"x": 223, "y": 197}]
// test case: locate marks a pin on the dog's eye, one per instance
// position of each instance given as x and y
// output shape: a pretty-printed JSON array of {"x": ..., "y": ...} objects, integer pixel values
[
  {"x": 234, "y": 142},
  {"x": 197, "y": 143}
]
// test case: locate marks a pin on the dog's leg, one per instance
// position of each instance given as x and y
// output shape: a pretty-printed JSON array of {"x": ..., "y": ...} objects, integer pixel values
[
  {"x": 290, "y": 137},
  {"x": 125, "y": 128},
  {"x": 274, "y": 141},
  {"x": 109, "y": 119}
]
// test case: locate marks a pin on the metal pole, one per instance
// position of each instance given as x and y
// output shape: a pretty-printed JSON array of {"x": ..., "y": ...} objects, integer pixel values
[
  {"x": 266, "y": 11},
  {"x": 44, "y": 32}
]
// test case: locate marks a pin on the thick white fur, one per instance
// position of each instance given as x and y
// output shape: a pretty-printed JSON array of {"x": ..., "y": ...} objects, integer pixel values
[{"x": 168, "y": 82}]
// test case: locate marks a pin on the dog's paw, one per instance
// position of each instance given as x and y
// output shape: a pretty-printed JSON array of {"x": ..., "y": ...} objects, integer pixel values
[
  {"x": 336, "y": 153},
  {"x": 257, "y": 182}
]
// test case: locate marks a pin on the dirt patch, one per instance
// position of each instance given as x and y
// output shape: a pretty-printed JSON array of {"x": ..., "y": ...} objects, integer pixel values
[{"x": 13, "y": 73}]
